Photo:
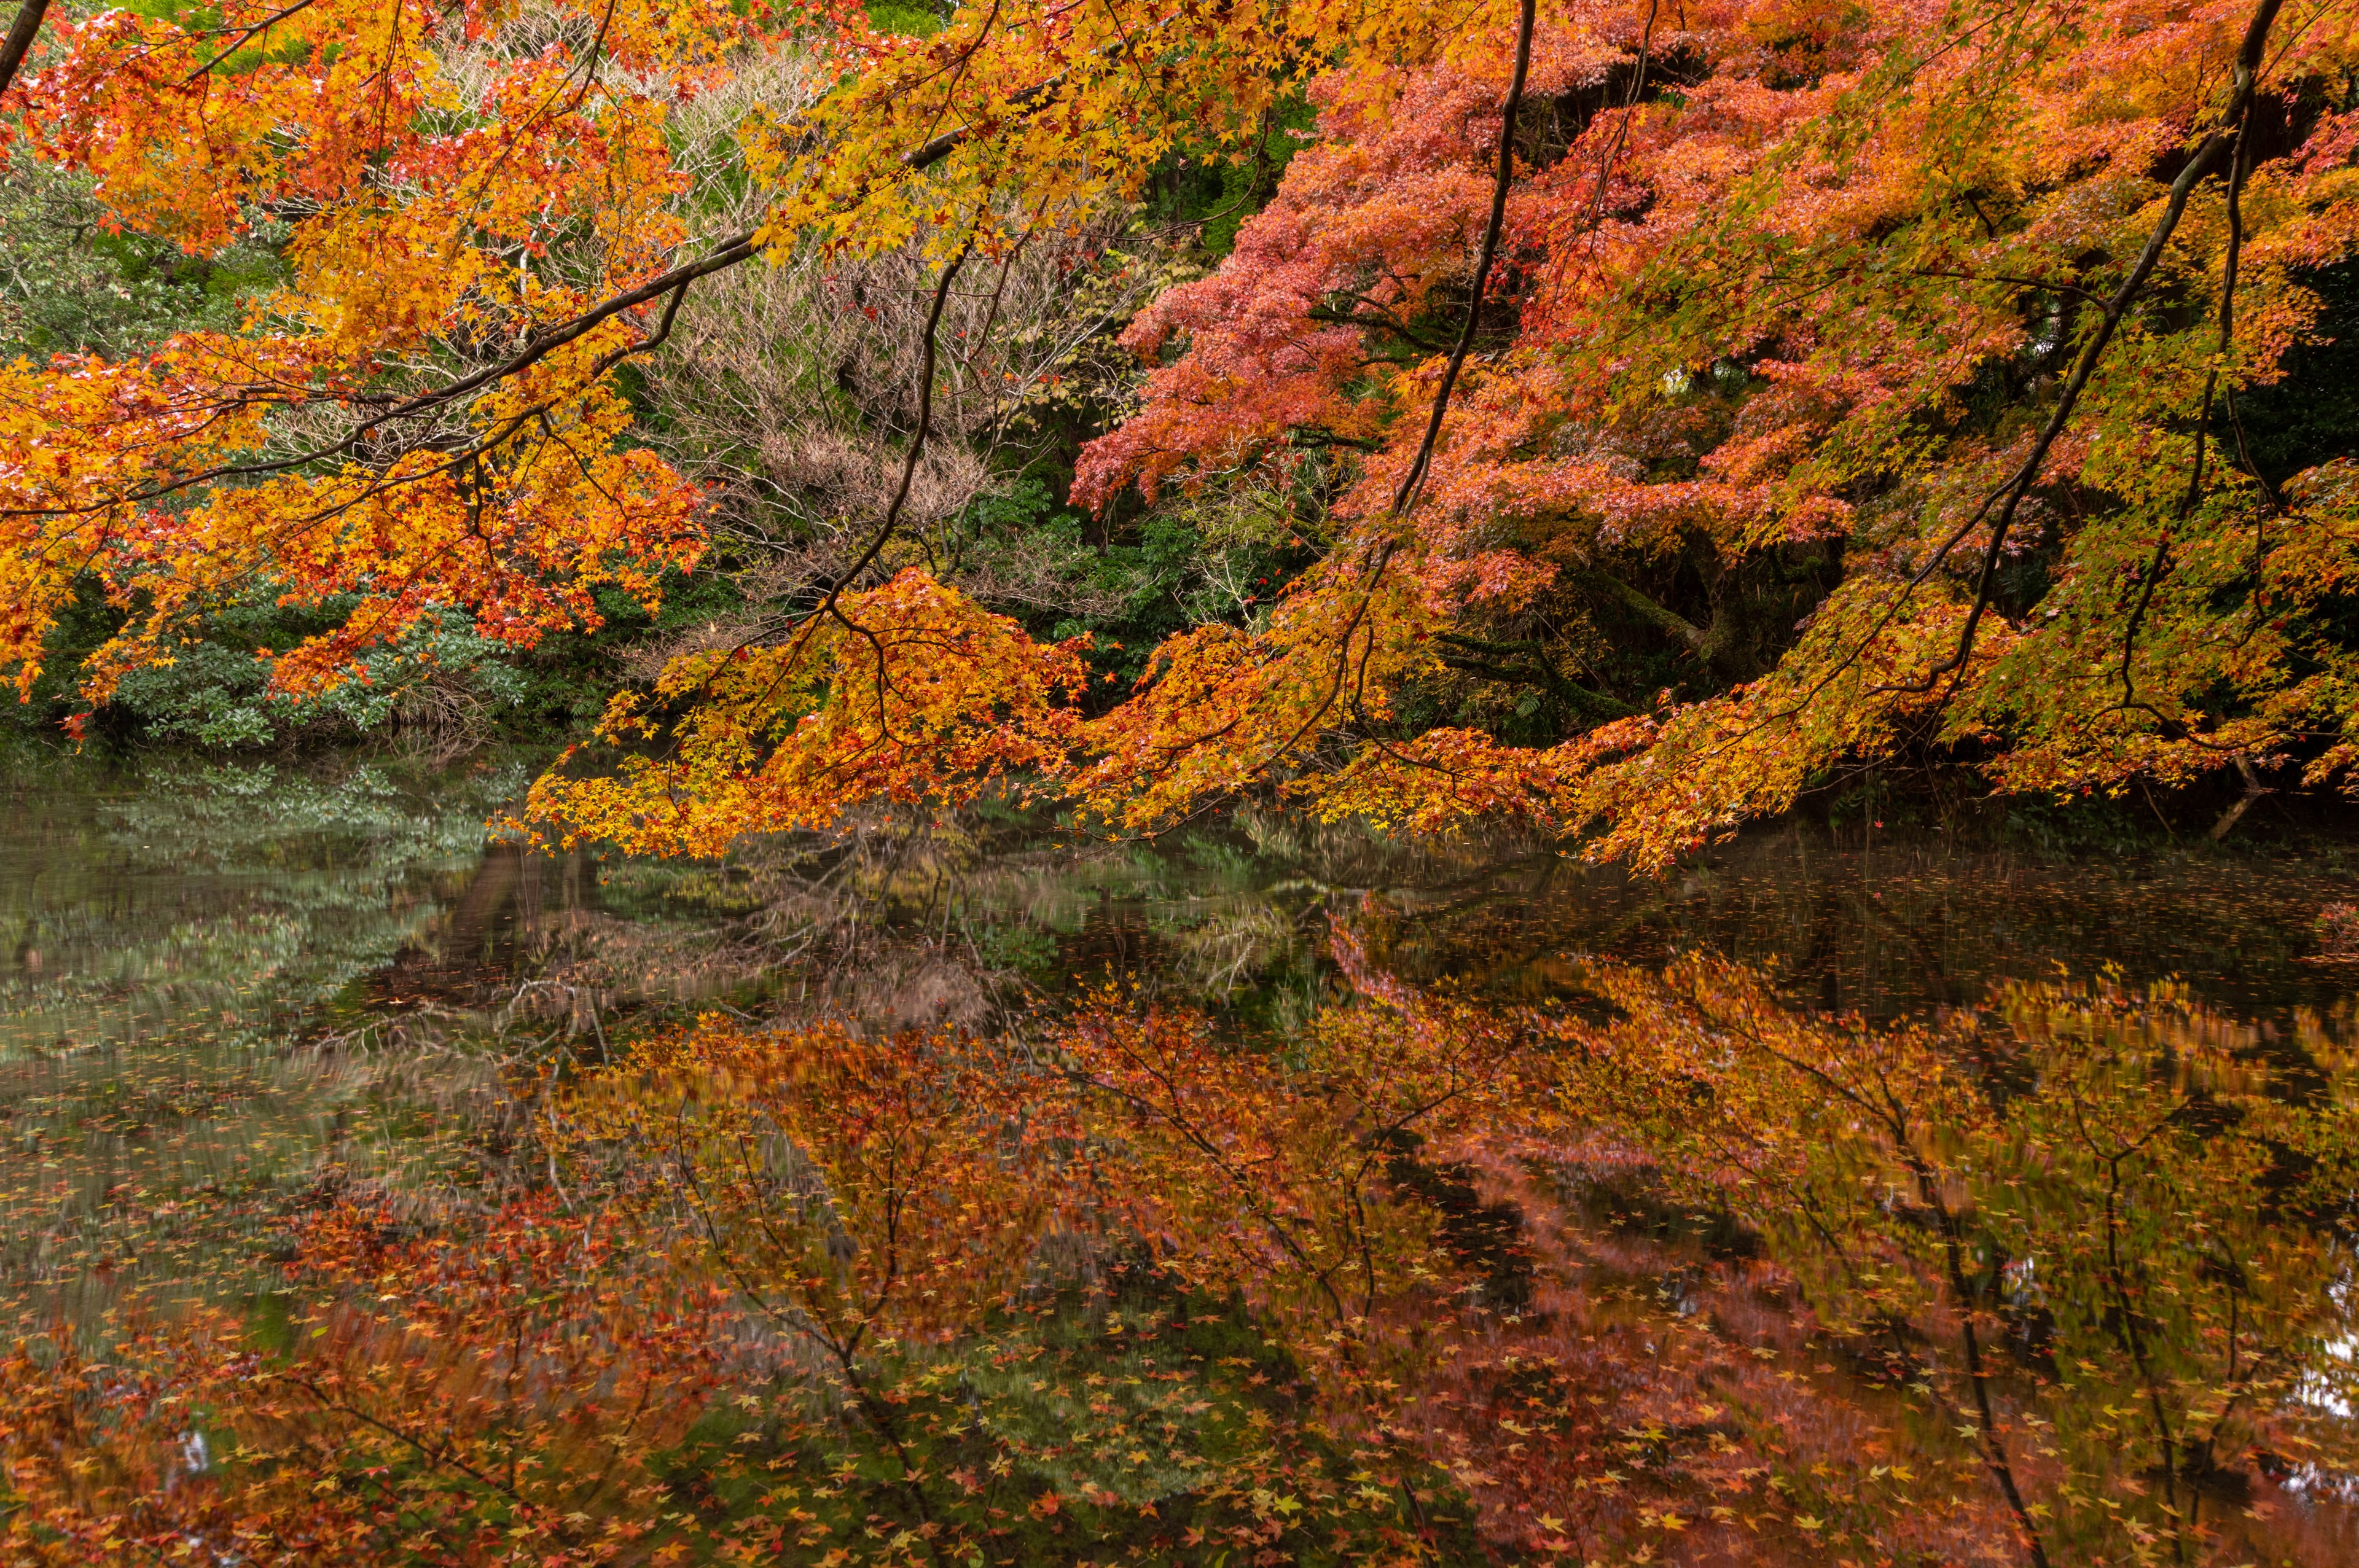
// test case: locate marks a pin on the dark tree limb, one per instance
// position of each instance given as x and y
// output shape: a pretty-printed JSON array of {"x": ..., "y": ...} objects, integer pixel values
[
  {"x": 19, "y": 41},
  {"x": 1414, "y": 481},
  {"x": 1497, "y": 662},
  {"x": 1655, "y": 614},
  {"x": 2010, "y": 496}
]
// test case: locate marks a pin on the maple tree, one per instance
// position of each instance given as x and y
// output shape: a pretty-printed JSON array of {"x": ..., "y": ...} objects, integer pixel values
[
  {"x": 1926, "y": 331},
  {"x": 1673, "y": 403},
  {"x": 1925, "y": 326}
]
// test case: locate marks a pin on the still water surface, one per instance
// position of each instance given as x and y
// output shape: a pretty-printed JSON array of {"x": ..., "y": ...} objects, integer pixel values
[{"x": 227, "y": 991}]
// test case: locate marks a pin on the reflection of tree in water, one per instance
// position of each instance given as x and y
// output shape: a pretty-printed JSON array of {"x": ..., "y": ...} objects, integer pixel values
[
  {"x": 904, "y": 925},
  {"x": 2092, "y": 1241},
  {"x": 169, "y": 935},
  {"x": 1718, "y": 1252},
  {"x": 895, "y": 926},
  {"x": 476, "y": 953},
  {"x": 1851, "y": 920},
  {"x": 129, "y": 904}
]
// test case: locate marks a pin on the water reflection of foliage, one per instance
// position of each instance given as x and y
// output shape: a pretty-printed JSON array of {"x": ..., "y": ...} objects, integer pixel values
[
  {"x": 2102, "y": 1236},
  {"x": 1632, "y": 1294},
  {"x": 168, "y": 934},
  {"x": 1684, "y": 1273},
  {"x": 230, "y": 890},
  {"x": 959, "y": 922}
]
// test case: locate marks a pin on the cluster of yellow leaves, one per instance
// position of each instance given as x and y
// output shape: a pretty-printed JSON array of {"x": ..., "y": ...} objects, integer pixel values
[
  {"x": 1064, "y": 106},
  {"x": 906, "y": 692},
  {"x": 1221, "y": 708},
  {"x": 452, "y": 197}
]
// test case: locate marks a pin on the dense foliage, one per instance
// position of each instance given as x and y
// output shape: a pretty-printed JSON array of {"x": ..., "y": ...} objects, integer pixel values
[{"x": 1619, "y": 418}]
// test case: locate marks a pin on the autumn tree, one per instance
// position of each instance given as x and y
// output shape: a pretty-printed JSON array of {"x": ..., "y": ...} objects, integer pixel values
[
  {"x": 1880, "y": 368},
  {"x": 1621, "y": 332}
]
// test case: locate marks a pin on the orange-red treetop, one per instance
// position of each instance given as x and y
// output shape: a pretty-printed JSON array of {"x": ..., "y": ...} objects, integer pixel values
[{"x": 1810, "y": 292}]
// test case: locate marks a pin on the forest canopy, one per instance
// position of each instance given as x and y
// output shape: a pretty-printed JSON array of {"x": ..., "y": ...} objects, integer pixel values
[{"x": 1617, "y": 416}]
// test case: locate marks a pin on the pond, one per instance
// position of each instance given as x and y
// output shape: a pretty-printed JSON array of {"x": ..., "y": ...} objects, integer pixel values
[{"x": 2067, "y": 1227}]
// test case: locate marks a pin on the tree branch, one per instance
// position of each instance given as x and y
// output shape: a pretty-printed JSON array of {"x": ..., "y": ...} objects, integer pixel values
[
  {"x": 1414, "y": 481},
  {"x": 1659, "y": 616},
  {"x": 2223, "y": 135},
  {"x": 19, "y": 41}
]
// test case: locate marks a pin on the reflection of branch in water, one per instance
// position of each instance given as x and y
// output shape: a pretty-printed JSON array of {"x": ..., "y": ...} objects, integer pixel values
[
  {"x": 1230, "y": 949},
  {"x": 2125, "y": 1315},
  {"x": 1871, "y": 912},
  {"x": 2134, "y": 1159}
]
